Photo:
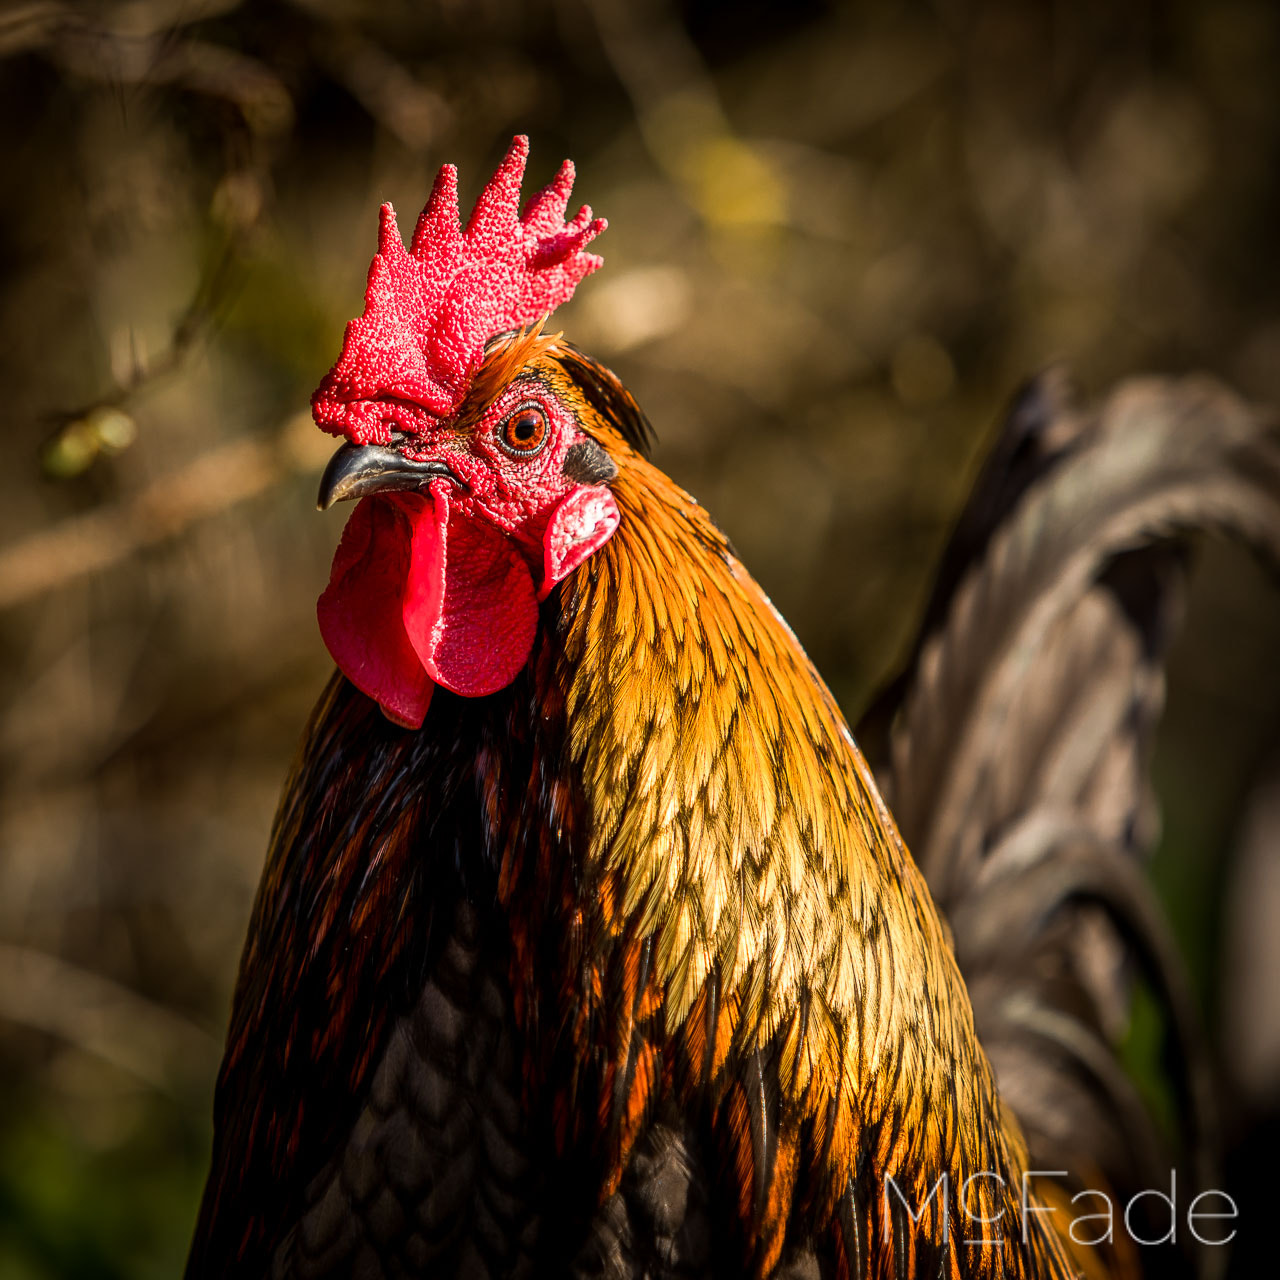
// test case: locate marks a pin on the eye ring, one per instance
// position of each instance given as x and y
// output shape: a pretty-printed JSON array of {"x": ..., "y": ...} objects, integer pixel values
[{"x": 524, "y": 432}]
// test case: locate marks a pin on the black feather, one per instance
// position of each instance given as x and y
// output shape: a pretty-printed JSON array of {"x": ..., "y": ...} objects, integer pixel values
[{"x": 607, "y": 396}]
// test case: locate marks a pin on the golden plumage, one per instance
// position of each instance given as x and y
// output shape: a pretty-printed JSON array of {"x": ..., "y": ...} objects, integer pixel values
[
  {"x": 646, "y": 899},
  {"x": 731, "y": 826}
]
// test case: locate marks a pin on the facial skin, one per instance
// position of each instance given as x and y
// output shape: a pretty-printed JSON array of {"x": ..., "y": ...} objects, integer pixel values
[
  {"x": 509, "y": 464},
  {"x": 463, "y": 527}
]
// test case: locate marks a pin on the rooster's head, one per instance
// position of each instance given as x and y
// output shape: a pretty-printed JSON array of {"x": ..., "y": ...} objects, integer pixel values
[{"x": 480, "y": 487}]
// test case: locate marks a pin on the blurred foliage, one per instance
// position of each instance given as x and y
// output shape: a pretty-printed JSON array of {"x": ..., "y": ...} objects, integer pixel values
[{"x": 840, "y": 236}]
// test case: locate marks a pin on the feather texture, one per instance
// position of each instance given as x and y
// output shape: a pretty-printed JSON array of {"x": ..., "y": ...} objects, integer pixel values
[
  {"x": 625, "y": 970},
  {"x": 1017, "y": 763}
]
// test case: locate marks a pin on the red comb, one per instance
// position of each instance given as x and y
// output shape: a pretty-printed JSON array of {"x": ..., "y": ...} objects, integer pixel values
[{"x": 430, "y": 309}]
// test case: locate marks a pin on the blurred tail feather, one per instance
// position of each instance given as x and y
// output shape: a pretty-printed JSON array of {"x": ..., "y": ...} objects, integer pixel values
[{"x": 1014, "y": 749}]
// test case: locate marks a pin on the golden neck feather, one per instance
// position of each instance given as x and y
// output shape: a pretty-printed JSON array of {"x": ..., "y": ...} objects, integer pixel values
[{"x": 733, "y": 820}]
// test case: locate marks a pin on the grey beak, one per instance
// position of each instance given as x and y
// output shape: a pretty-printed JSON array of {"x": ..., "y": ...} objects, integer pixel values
[{"x": 357, "y": 470}]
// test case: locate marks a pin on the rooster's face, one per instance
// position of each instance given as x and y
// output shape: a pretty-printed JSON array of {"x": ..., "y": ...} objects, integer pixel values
[{"x": 463, "y": 525}]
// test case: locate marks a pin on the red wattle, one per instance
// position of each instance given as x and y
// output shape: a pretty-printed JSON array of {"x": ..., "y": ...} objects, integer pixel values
[
  {"x": 361, "y": 612},
  {"x": 470, "y": 609},
  {"x": 420, "y": 594},
  {"x": 581, "y": 525}
]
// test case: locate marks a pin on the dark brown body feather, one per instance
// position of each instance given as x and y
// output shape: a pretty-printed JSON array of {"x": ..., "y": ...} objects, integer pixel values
[{"x": 621, "y": 971}]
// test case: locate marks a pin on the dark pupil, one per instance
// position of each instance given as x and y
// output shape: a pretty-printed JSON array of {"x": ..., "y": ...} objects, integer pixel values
[{"x": 525, "y": 428}]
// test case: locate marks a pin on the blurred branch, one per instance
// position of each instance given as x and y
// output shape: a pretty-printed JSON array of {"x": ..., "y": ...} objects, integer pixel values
[
  {"x": 100, "y": 539},
  {"x": 412, "y": 112},
  {"x": 105, "y": 426},
  {"x": 27, "y": 26},
  {"x": 102, "y": 1018},
  {"x": 32, "y": 25},
  {"x": 684, "y": 126},
  {"x": 143, "y": 45}
]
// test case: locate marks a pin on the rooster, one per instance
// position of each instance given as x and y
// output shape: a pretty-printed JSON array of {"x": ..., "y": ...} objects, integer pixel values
[{"x": 586, "y": 943}]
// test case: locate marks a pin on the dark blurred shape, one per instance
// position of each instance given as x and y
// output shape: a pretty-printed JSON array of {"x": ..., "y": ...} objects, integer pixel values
[{"x": 1015, "y": 753}]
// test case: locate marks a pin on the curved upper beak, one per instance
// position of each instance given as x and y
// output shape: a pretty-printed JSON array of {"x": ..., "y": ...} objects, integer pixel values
[{"x": 357, "y": 470}]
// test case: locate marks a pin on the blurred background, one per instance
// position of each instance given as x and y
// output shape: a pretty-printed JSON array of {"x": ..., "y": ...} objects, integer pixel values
[{"x": 840, "y": 236}]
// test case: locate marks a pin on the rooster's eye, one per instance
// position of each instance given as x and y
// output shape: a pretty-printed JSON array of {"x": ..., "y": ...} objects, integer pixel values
[{"x": 524, "y": 433}]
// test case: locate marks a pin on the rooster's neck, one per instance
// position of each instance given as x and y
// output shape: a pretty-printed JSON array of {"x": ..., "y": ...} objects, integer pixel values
[
  {"x": 742, "y": 891},
  {"x": 731, "y": 813}
]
